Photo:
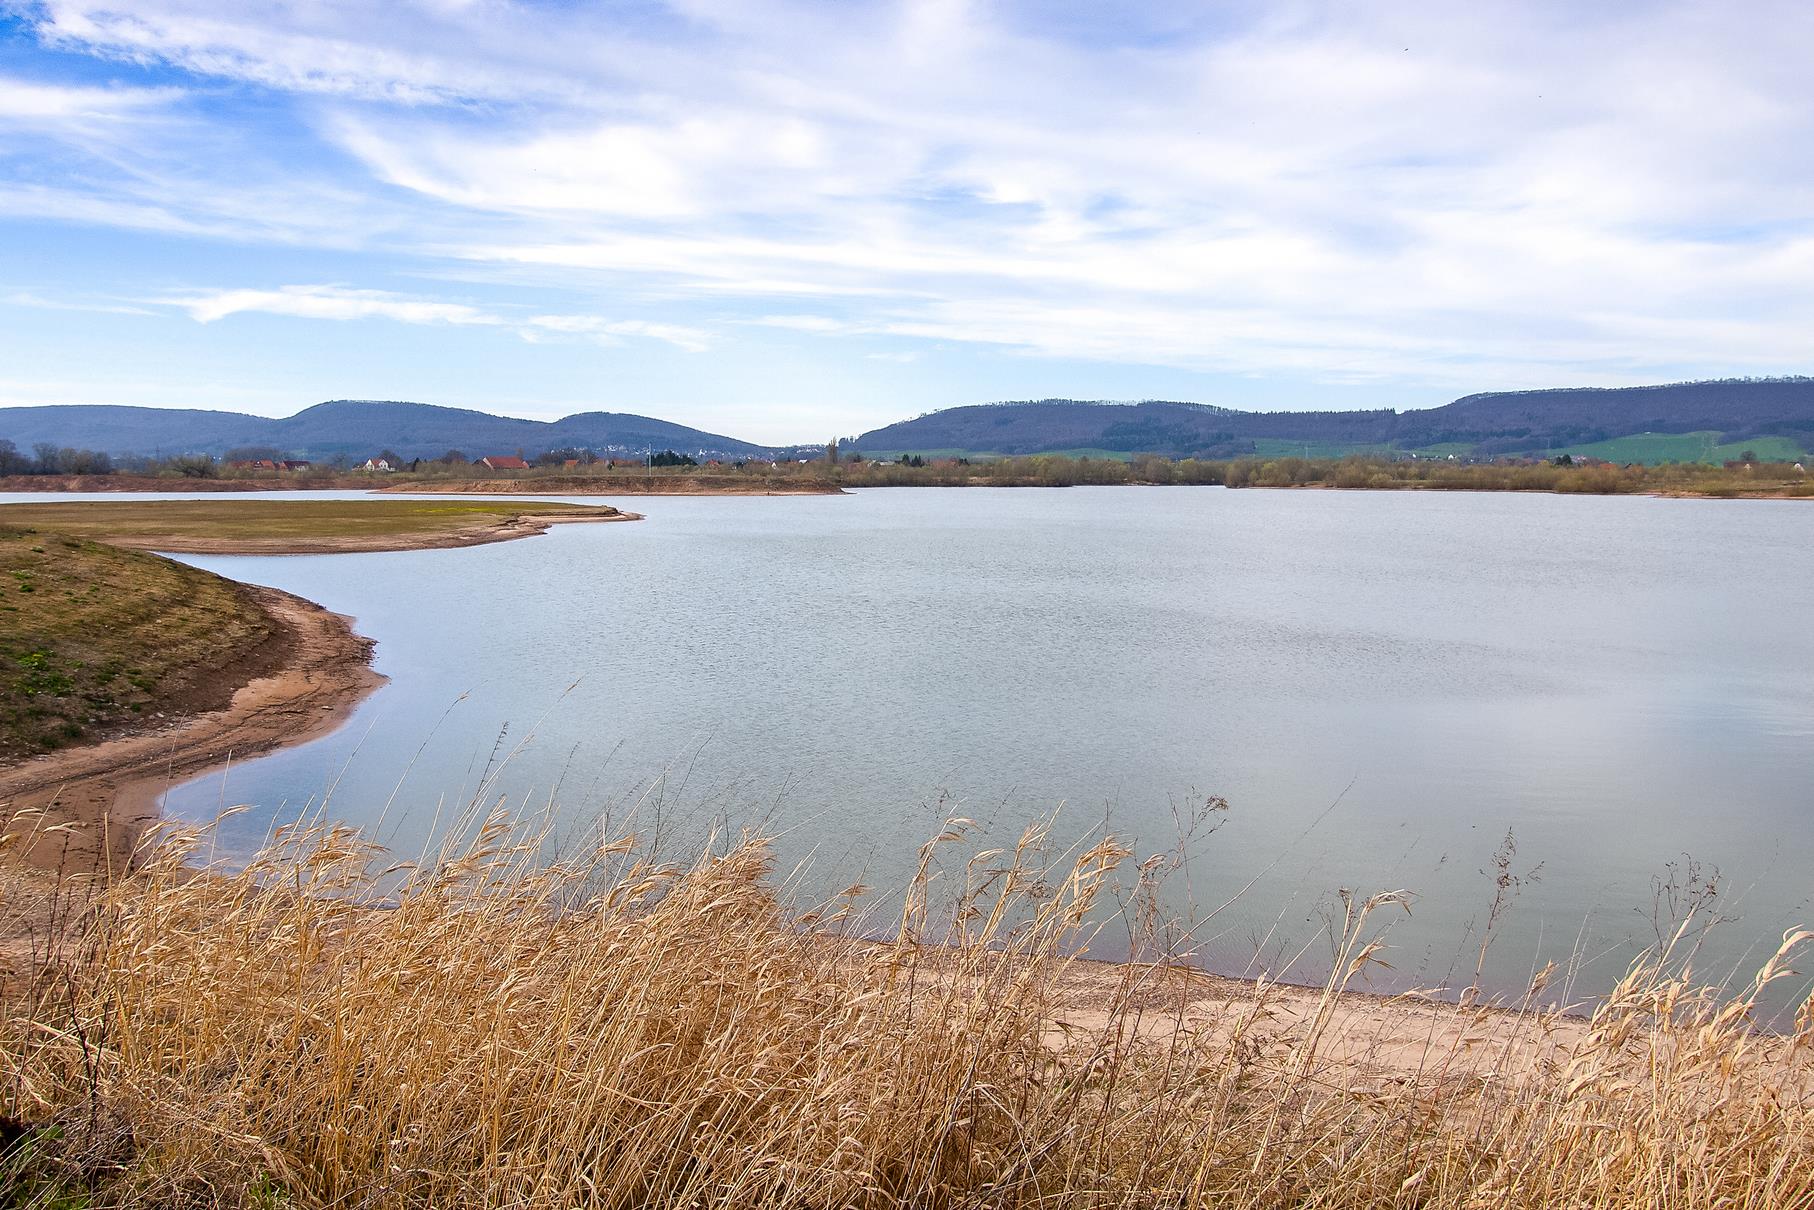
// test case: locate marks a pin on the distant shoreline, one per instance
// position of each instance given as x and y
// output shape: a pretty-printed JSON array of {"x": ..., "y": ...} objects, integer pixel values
[
  {"x": 1719, "y": 487},
  {"x": 599, "y": 485}
]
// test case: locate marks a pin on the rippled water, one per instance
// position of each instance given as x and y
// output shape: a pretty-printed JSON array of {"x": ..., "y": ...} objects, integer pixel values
[{"x": 1622, "y": 683}]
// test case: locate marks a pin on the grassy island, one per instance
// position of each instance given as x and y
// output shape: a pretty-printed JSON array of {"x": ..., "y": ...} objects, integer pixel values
[
  {"x": 299, "y": 526},
  {"x": 93, "y": 637}
]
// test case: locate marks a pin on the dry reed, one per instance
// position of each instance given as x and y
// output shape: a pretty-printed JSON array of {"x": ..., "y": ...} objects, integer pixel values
[{"x": 488, "y": 1029}]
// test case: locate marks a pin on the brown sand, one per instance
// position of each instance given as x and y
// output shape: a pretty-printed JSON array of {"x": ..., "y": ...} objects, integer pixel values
[
  {"x": 1392, "y": 1037},
  {"x": 83, "y": 810}
]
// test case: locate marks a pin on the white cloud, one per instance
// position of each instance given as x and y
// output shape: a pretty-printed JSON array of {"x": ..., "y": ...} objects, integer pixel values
[
  {"x": 343, "y": 303},
  {"x": 25, "y": 298},
  {"x": 329, "y": 302},
  {"x": 27, "y": 101},
  {"x": 1509, "y": 194},
  {"x": 693, "y": 340},
  {"x": 805, "y": 323}
]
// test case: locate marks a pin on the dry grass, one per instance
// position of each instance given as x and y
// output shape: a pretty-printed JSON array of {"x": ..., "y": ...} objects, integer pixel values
[
  {"x": 484, "y": 1029},
  {"x": 224, "y": 525}
]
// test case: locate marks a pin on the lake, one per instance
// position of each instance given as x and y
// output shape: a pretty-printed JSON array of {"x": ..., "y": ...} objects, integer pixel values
[{"x": 1382, "y": 685}]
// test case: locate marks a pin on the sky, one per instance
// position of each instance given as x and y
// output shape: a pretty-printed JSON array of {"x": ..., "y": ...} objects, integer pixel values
[{"x": 787, "y": 221}]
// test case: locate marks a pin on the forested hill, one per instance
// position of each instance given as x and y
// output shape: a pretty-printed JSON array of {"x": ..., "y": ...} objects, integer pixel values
[
  {"x": 354, "y": 427},
  {"x": 1688, "y": 420}
]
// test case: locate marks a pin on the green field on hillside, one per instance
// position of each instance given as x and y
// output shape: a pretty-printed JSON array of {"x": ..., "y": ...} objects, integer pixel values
[
  {"x": 1278, "y": 447},
  {"x": 1647, "y": 449},
  {"x": 928, "y": 455},
  {"x": 1443, "y": 449},
  {"x": 997, "y": 456},
  {"x": 1652, "y": 449}
]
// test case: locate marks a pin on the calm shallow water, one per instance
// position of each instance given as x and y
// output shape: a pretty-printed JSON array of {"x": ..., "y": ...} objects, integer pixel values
[{"x": 1620, "y": 682}]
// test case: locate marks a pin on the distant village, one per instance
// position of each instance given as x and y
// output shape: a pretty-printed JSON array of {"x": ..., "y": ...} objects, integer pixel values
[{"x": 388, "y": 462}]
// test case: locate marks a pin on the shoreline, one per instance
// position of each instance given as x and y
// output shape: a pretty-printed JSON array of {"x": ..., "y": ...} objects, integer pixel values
[
  {"x": 84, "y": 810},
  {"x": 682, "y": 486},
  {"x": 1389, "y": 1034},
  {"x": 505, "y": 529},
  {"x": 592, "y": 485}
]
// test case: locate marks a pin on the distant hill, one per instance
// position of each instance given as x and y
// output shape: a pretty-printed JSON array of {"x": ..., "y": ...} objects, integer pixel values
[
  {"x": 1684, "y": 421},
  {"x": 1705, "y": 417},
  {"x": 355, "y": 427}
]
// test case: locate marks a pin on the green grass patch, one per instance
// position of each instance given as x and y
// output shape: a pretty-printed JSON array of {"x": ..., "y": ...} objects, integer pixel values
[
  {"x": 929, "y": 455},
  {"x": 92, "y": 636},
  {"x": 997, "y": 456},
  {"x": 1274, "y": 447},
  {"x": 1654, "y": 449},
  {"x": 1442, "y": 449},
  {"x": 1088, "y": 452}
]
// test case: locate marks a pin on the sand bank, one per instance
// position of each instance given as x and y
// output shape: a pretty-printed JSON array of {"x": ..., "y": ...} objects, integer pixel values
[{"x": 84, "y": 809}]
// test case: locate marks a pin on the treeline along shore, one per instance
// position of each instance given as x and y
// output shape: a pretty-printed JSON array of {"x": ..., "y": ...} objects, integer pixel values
[{"x": 829, "y": 475}]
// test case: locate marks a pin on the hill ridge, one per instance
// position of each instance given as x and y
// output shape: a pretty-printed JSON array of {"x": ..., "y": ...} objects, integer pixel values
[
  {"x": 1686, "y": 421},
  {"x": 355, "y": 428},
  {"x": 1713, "y": 412}
]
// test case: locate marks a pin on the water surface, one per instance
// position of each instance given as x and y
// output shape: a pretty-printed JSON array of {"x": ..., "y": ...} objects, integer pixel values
[{"x": 1381, "y": 684}]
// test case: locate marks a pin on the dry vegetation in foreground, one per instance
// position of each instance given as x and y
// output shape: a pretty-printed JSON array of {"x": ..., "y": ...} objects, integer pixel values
[{"x": 482, "y": 1030}]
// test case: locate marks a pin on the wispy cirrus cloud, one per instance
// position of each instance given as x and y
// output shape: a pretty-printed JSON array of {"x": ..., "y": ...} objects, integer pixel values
[
  {"x": 25, "y": 298},
  {"x": 31, "y": 101},
  {"x": 345, "y": 303},
  {"x": 693, "y": 340},
  {"x": 329, "y": 302}
]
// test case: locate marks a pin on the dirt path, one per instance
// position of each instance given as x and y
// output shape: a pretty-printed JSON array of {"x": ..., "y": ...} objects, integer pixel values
[{"x": 83, "y": 810}]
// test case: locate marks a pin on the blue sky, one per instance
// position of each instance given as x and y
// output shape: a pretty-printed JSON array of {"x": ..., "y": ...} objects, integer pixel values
[{"x": 786, "y": 221}]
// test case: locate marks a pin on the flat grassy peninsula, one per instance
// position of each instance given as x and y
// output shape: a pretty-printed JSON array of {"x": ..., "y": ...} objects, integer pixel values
[
  {"x": 297, "y": 526},
  {"x": 94, "y": 638}
]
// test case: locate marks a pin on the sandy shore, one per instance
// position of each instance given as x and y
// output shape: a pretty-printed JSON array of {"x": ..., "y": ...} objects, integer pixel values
[
  {"x": 628, "y": 485},
  {"x": 1390, "y": 1036},
  {"x": 1739, "y": 495},
  {"x": 84, "y": 810}
]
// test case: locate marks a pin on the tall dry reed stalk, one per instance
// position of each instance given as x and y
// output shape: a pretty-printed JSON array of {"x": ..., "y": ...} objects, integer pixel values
[{"x": 483, "y": 1029}]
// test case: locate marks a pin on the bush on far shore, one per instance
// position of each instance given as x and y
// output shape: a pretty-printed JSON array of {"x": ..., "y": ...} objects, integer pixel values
[{"x": 1369, "y": 472}]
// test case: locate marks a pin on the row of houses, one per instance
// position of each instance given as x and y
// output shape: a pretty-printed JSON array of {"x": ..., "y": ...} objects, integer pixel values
[{"x": 491, "y": 462}]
